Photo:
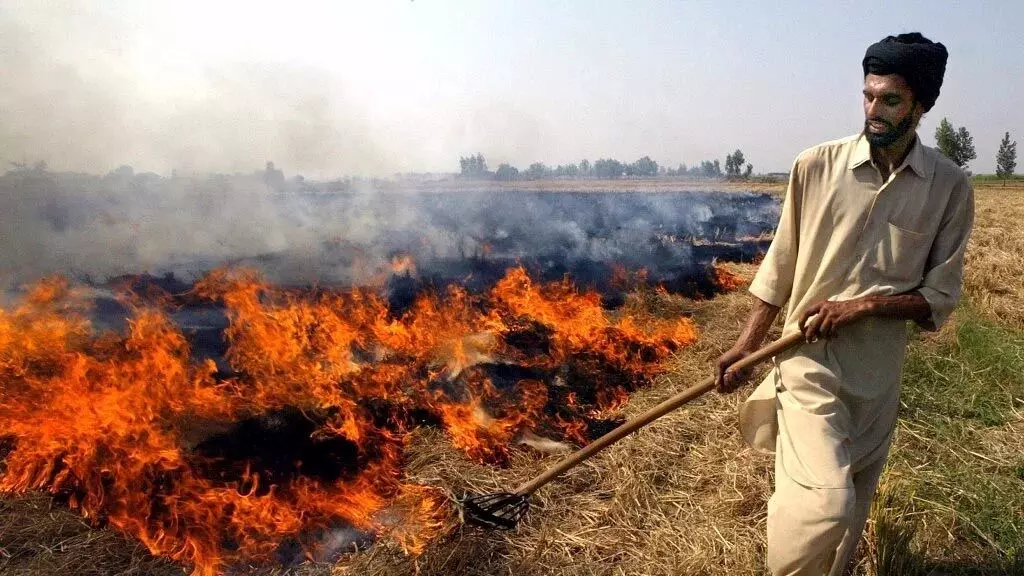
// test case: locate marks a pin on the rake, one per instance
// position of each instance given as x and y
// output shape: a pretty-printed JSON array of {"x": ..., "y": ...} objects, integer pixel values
[{"x": 505, "y": 509}]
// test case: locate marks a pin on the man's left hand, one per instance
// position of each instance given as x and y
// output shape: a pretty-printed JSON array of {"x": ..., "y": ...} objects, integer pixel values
[{"x": 824, "y": 318}]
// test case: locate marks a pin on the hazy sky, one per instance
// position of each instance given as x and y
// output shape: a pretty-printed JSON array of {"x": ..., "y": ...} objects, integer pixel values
[{"x": 375, "y": 87}]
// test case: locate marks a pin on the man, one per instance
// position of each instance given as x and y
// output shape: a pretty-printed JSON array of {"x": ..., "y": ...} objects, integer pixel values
[{"x": 872, "y": 234}]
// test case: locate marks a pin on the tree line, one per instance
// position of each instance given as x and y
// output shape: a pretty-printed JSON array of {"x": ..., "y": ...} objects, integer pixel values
[
  {"x": 958, "y": 145},
  {"x": 955, "y": 142},
  {"x": 736, "y": 167}
]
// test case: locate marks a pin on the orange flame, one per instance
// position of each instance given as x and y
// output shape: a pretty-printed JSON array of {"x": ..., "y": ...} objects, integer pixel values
[
  {"x": 107, "y": 419},
  {"x": 725, "y": 279},
  {"x": 403, "y": 264}
]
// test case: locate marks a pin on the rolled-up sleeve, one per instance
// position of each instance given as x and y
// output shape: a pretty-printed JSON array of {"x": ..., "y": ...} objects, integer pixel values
[
  {"x": 944, "y": 272},
  {"x": 773, "y": 282}
]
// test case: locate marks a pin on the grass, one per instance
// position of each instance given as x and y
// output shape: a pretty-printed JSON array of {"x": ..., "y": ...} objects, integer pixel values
[
  {"x": 953, "y": 495},
  {"x": 992, "y": 178},
  {"x": 972, "y": 378},
  {"x": 959, "y": 450}
]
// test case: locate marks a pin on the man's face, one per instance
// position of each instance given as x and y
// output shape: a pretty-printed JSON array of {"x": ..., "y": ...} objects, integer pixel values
[{"x": 890, "y": 110}]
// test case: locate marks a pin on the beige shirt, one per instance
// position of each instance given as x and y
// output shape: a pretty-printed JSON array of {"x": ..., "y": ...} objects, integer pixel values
[{"x": 845, "y": 233}]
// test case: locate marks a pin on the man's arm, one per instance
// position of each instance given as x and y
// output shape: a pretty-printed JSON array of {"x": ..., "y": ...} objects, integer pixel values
[
  {"x": 759, "y": 322},
  {"x": 772, "y": 284},
  {"x": 943, "y": 279},
  {"x": 931, "y": 303},
  {"x": 820, "y": 320},
  {"x": 824, "y": 318}
]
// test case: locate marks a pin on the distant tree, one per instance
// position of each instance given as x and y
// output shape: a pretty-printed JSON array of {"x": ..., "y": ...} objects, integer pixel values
[
  {"x": 734, "y": 164},
  {"x": 585, "y": 167},
  {"x": 473, "y": 166},
  {"x": 1006, "y": 158},
  {"x": 707, "y": 169},
  {"x": 643, "y": 167},
  {"x": 957, "y": 145},
  {"x": 23, "y": 169},
  {"x": 567, "y": 171},
  {"x": 749, "y": 170},
  {"x": 945, "y": 139},
  {"x": 966, "y": 141},
  {"x": 272, "y": 177},
  {"x": 608, "y": 168},
  {"x": 506, "y": 172},
  {"x": 537, "y": 171}
]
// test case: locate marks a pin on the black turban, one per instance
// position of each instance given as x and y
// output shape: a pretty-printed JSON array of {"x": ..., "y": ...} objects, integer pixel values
[{"x": 921, "y": 62}]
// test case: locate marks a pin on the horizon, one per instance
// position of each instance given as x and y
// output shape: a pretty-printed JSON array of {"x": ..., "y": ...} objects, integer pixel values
[{"x": 330, "y": 90}]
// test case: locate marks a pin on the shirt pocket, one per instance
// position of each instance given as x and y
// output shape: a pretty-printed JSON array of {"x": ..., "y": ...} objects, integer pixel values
[{"x": 900, "y": 255}]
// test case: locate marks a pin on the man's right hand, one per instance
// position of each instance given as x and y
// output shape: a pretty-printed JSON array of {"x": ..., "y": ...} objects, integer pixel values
[
  {"x": 754, "y": 332},
  {"x": 727, "y": 381}
]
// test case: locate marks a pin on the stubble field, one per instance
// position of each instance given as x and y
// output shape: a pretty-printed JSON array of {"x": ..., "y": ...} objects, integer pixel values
[{"x": 685, "y": 496}]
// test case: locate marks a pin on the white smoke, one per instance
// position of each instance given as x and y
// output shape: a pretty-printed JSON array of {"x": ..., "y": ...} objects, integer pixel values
[{"x": 297, "y": 232}]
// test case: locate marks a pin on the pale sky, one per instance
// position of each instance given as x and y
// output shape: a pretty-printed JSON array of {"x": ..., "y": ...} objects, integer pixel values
[{"x": 374, "y": 87}]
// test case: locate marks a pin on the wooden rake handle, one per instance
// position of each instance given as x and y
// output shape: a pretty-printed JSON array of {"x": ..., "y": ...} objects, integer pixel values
[{"x": 773, "y": 349}]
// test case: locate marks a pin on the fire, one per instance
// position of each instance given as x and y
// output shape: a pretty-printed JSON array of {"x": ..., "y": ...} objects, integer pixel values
[
  {"x": 403, "y": 264},
  {"x": 418, "y": 514},
  {"x": 725, "y": 279},
  {"x": 116, "y": 424},
  {"x": 626, "y": 279}
]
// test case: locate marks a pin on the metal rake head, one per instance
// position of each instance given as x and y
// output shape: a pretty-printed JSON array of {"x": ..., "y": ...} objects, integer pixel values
[{"x": 498, "y": 510}]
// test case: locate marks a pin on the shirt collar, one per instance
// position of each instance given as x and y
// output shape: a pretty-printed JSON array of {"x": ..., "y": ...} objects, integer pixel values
[
  {"x": 861, "y": 152},
  {"x": 915, "y": 159}
]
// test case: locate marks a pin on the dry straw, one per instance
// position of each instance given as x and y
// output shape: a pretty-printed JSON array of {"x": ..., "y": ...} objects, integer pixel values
[{"x": 683, "y": 496}]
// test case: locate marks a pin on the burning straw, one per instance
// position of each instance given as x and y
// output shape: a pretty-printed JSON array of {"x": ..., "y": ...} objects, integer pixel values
[{"x": 297, "y": 440}]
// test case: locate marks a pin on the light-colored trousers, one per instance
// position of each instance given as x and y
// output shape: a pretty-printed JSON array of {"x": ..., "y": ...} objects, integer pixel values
[
  {"x": 829, "y": 412},
  {"x": 815, "y": 531}
]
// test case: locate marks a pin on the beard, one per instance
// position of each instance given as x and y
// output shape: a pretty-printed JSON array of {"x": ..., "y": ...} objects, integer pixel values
[{"x": 892, "y": 134}]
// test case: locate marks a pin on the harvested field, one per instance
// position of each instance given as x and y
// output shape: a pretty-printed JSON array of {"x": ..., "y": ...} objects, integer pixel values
[
  {"x": 993, "y": 279},
  {"x": 684, "y": 496}
]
